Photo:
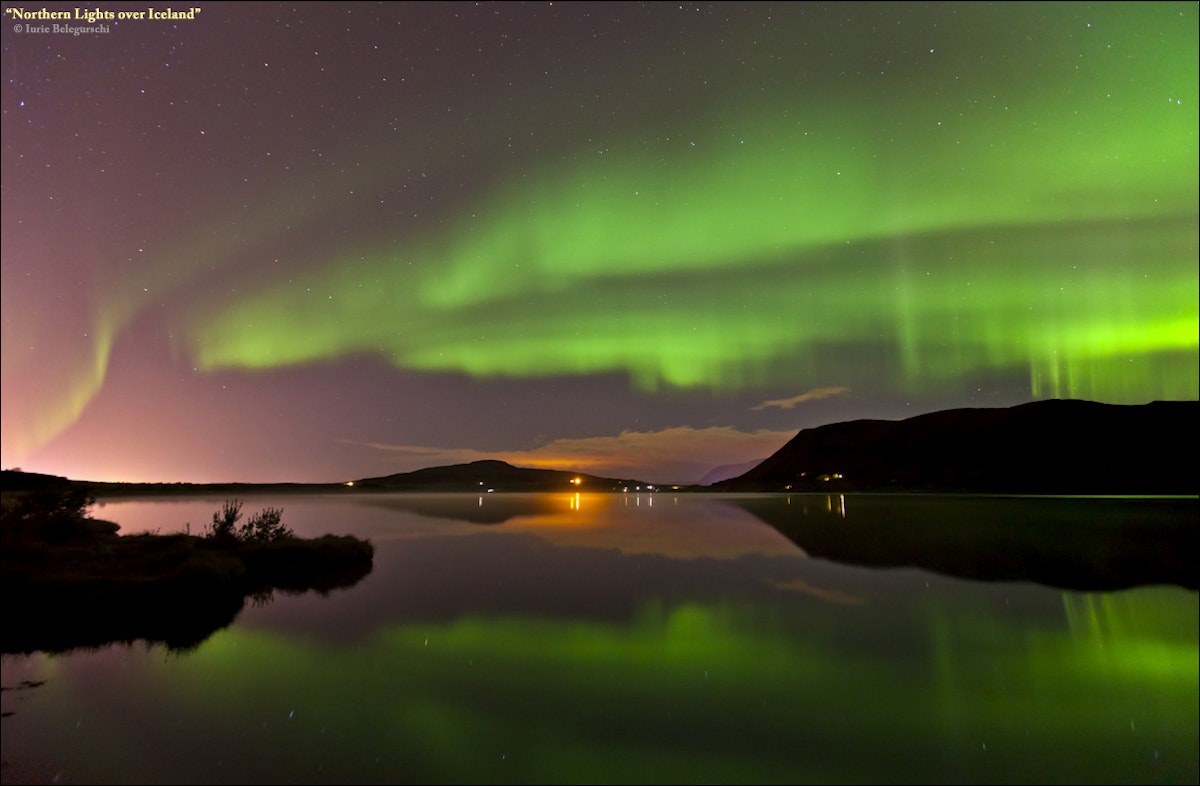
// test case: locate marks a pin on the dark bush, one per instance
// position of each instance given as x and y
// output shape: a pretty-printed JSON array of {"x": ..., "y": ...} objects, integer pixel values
[
  {"x": 266, "y": 526},
  {"x": 51, "y": 512},
  {"x": 224, "y": 521}
]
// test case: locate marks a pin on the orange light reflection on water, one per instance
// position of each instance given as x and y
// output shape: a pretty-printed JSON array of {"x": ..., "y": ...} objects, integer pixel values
[{"x": 652, "y": 523}]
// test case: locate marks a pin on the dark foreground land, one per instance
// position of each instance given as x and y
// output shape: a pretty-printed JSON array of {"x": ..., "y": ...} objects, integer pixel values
[{"x": 71, "y": 581}]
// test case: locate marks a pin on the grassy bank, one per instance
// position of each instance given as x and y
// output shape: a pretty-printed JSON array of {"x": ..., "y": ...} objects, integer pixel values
[{"x": 72, "y": 581}]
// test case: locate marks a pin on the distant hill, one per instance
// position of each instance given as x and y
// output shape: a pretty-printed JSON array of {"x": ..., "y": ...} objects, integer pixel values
[
  {"x": 495, "y": 476},
  {"x": 484, "y": 476},
  {"x": 1045, "y": 447},
  {"x": 15, "y": 481},
  {"x": 727, "y": 471}
]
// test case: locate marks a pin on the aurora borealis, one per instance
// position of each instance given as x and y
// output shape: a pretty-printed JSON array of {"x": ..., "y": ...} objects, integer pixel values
[{"x": 330, "y": 241}]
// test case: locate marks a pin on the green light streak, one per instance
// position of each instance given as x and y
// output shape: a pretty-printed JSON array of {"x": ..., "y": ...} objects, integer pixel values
[
  {"x": 960, "y": 229},
  {"x": 696, "y": 689},
  {"x": 1076, "y": 327}
]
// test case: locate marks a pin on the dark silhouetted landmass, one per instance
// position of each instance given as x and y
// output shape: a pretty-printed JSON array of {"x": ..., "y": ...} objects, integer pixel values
[
  {"x": 72, "y": 581},
  {"x": 1090, "y": 544},
  {"x": 12, "y": 480},
  {"x": 727, "y": 471},
  {"x": 1045, "y": 447},
  {"x": 486, "y": 476},
  {"x": 496, "y": 476}
]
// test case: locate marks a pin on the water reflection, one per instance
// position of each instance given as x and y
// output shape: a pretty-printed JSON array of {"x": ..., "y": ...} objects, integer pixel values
[
  {"x": 502, "y": 508},
  {"x": 661, "y": 523},
  {"x": 178, "y": 611},
  {"x": 1080, "y": 543},
  {"x": 594, "y": 639}
]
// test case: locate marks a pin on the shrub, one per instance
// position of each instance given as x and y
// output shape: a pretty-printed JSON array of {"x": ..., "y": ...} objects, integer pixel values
[
  {"x": 224, "y": 521},
  {"x": 266, "y": 526},
  {"x": 54, "y": 511}
]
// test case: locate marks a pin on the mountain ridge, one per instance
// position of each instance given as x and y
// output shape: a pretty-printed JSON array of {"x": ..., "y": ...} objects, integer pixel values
[
  {"x": 492, "y": 475},
  {"x": 1054, "y": 446}
]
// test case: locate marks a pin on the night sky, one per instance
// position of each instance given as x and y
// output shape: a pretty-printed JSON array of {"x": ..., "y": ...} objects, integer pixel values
[{"x": 318, "y": 242}]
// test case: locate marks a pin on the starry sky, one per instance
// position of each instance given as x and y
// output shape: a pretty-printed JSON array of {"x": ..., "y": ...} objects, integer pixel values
[{"x": 318, "y": 242}]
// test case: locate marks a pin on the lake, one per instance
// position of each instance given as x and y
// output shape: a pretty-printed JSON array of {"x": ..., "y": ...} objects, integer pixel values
[{"x": 614, "y": 638}]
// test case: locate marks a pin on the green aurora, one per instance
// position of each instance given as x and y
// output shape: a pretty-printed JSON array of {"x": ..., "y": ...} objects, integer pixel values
[
  {"x": 923, "y": 205},
  {"x": 1049, "y": 230},
  {"x": 697, "y": 692}
]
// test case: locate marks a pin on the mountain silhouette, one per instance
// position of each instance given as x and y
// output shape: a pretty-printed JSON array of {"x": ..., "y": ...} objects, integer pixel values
[
  {"x": 727, "y": 471},
  {"x": 1056, "y": 446},
  {"x": 491, "y": 475}
]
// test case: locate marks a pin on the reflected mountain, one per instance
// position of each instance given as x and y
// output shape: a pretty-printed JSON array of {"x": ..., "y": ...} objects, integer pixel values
[
  {"x": 1089, "y": 544},
  {"x": 486, "y": 509}
]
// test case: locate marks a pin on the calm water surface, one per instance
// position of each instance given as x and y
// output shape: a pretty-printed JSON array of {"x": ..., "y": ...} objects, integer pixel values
[{"x": 626, "y": 638}]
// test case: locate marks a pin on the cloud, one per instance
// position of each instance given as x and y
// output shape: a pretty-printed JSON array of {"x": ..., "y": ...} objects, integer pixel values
[
  {"x": 674, "y": 455},
  {"x": 824, "y": 593},
  {"x": 812, "y": 395}
]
